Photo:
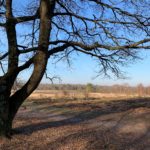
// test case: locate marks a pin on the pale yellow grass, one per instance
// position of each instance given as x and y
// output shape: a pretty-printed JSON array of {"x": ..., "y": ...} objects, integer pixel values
[{"x": 38, "y": 94}]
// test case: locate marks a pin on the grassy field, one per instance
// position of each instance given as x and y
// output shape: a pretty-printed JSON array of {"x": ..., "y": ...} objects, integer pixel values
[{"x": 82, "y": 124}]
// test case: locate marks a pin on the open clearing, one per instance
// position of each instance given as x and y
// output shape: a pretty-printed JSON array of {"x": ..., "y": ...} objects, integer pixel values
[{"x": 96, "y": 124}]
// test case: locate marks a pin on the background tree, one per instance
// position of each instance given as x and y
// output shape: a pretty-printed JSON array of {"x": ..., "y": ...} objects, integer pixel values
[
  {"x": 140, "y": 90},
  {"x": 88, "y": 88},
  {"x": 36, "y": 30}
]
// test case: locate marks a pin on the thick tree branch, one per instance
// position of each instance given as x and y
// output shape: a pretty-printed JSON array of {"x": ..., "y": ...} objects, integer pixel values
[
  {"x": 135, "y": 45},
  {"x": 50, "y": 53},
  {"x": 12, "y": 44},
  {"x": 25, "y": 18}
]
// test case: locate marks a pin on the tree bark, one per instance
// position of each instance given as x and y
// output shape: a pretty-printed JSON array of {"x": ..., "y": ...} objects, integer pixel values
[
  {"x": 5, "y": 122},
  {"x": 9, "y": 105}
]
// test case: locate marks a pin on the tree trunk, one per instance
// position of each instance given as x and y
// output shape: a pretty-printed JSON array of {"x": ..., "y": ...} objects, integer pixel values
[
  {"x": 5, "y": 121},
  {"x": 9, "y": 105}
]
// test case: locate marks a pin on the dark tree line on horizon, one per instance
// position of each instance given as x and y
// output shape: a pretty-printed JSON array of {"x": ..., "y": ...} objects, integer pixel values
[{"x": 139, "y": 89}]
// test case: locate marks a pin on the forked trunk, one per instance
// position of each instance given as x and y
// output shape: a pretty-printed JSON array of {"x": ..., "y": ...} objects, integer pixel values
[{"x": 9, "y": 105}]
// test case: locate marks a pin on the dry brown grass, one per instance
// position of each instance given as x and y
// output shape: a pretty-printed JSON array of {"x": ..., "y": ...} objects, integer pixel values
[
  {"x": 99, "y": 124},
  {"x": 54, "y": 94}
]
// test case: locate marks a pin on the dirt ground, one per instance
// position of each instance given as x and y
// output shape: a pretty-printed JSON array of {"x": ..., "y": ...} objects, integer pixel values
[{"x": 97, "y": 124}]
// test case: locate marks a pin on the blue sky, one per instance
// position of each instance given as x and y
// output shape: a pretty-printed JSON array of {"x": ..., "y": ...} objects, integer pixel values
[{"x": 83, "y": 70}]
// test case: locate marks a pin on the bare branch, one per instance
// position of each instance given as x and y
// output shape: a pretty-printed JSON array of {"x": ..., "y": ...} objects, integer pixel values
[
  {"x": 3, "y": 56},
  {"x": 135, "y": 45}
]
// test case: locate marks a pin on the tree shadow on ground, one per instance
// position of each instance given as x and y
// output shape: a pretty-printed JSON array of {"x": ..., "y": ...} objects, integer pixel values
[
  {"x": 115, "y": 106},
  {"x": 100, "y": 139}
]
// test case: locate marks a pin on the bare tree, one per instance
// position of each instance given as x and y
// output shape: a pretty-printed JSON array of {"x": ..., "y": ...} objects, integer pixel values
[
  {"x": 88, "y": 88},
  {"x": 140, "y": 89},
  {"x": 109, "y": 31}
]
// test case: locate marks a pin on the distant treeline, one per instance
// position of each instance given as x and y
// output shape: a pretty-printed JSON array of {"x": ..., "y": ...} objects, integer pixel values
[{"x": 123, "y": 89}]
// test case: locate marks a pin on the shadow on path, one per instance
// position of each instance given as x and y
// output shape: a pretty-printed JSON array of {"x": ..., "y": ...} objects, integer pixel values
[{"x": 111, "y": 107}]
